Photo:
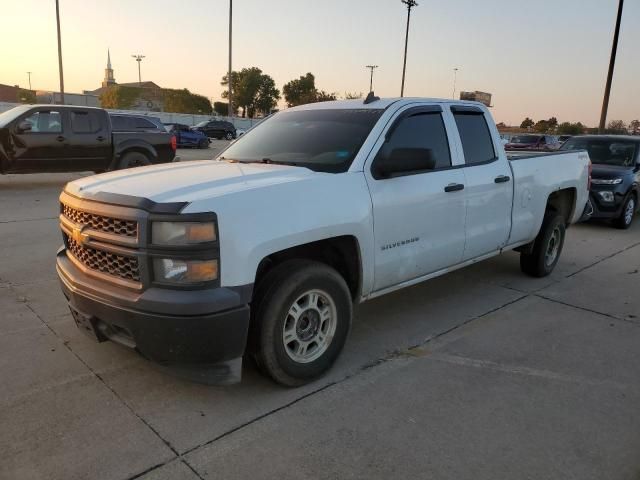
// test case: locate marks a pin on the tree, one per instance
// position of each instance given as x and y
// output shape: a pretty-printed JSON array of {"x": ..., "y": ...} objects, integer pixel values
[
  {"x": 634, "y": 127},
  {"x": 352, "y": 96},
  {"x": 26, "y": 96},
  {"x": 252, "y": 91},
  {"x": 617, "y": 126},
  {"x": 120, "y": 97},
  {"x": 501, "y": 125},
  {"x": 553, "y": 123},
  {"x": 300, "y": 91},
  {"x": 527, "y": 123},
  {"x": 566, "y": 128},
  {"x": 303, "y": 90},
  {"x": 183, "y": 101},
  {"x": 221, "y": 108},
  {"x": 541, "y": 126}
]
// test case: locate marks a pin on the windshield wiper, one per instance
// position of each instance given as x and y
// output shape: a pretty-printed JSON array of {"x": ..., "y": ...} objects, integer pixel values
[{"x": 269, "y": 161}]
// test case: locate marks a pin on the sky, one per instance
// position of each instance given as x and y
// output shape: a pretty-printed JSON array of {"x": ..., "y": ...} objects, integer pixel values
[{"x": 539, "y": 58}]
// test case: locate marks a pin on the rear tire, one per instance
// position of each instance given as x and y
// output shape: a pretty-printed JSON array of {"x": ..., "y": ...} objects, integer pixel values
[
  {"x": 301, "y": 315},
  {"x": 133, "y": 159},
  {"x": 547, "y": 247},
  {"x": 229, "y": 136},
  {"x": 204, "y": 143},
  {"x": 625, "y": 219}
]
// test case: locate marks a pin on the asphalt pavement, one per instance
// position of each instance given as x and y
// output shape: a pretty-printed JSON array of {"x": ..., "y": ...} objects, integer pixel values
[{"x": 481, "y": 374}]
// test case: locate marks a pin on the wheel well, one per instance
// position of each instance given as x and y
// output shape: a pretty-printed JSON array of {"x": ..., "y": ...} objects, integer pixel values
[
  {"x": 563, "y": 202},
  {"x": 341, "y": 253}
]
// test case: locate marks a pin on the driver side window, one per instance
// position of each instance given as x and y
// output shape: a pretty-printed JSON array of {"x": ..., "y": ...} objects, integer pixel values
[
  {"x": 44, "y": 122},
  {"x": 422, "y": 130}
]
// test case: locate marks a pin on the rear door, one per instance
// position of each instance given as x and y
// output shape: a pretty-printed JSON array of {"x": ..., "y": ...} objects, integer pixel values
[
  {"x": 419, "y": 217},
  {"x": 44, "y": 147},
  {"x": 89, "y": 140},
  {"x": 488, "y": 183}
]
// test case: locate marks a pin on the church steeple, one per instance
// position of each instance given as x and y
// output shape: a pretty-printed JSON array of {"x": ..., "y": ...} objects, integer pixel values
[{"x": 108, "y": 73}]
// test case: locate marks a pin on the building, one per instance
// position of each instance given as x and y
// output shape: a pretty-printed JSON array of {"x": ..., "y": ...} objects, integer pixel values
[
  {"x": 477, "y": 96},
  {"x": 15, "y": 94},
  {"x": 149, "y": 99}
]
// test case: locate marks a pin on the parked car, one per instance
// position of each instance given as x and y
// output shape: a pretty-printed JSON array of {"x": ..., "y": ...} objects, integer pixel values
[
  {"x": 563, "y": 138},
  {"x": 266, "y": 249},
  {"x": 217, "y": 129},
  {"x": 56, "y": 138},
  {"x": 532, "y": 142},
  {"x": 186, "y": 137},
  {"x": 135, "y": 123},
  {"x": 615, "y": 186}
]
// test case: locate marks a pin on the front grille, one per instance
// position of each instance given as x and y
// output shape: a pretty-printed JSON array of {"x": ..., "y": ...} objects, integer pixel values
[
  {"x": 105, "y": 262},
  {"x": 116, "y": 226}
]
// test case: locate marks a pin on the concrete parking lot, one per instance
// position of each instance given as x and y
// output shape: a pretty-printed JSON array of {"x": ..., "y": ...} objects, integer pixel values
[{"x": 480, "y": 374}]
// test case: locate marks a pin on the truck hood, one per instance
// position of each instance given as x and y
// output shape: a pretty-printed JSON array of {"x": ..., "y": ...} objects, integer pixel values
[
  {"x": 610, "y": 171},
  {"x": 188, "y": 181}
]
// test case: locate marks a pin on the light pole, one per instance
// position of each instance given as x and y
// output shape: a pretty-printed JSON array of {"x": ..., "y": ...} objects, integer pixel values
[
  {"x": 138, "y": 58},
  {"x": 455, "y": 75},
  {"x": 29, "y": 73},
  {"x": 372, "y": 68},
  {"x": 60, "y": 54},
  {"x": 229, "y": 76},
  {"x": 612, "y": 63},
  {"x": 410, "y": 4}
]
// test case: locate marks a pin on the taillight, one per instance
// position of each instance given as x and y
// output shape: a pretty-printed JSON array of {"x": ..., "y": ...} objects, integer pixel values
[
  {"x": 589, "y": 181},
  {"x": 174, "y": 143}
]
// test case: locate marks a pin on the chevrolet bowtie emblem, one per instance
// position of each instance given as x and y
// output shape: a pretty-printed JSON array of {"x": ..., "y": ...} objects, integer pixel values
[{"x": 78, "y": 236}]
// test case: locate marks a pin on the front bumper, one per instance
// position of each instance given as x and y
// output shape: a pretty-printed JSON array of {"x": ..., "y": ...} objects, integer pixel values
[
  {"x": 201, "y": 334},
  {"x": 602, "y": 209}
]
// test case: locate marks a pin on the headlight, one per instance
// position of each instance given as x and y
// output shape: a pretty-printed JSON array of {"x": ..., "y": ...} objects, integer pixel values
[
  {"x": 606, "y": 196},
  {"x": 609, "y": 181},
  {"x": 184, "y": 272},
  {"x": 183, "y": 233}
]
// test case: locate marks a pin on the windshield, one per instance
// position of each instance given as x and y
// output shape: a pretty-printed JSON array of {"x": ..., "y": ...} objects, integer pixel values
[
  {"x": 10, "y": 115},
  {"x": 605, "y": 151},
  {"x": 525, "y": 139},
  {"x": 202, "y": 124},
  {"x": 321, "y": 140}
]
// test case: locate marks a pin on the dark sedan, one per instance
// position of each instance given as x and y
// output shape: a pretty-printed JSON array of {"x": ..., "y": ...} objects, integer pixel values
[
  {"x": 615, "y": 180},
  {"x": 216, "y": 129},
  {"x": 532, "y": 142}
]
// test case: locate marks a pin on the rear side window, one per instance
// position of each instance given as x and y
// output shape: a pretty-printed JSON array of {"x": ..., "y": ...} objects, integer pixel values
[
  {"x": 143, "y": 123},
  {"x": 120, "y": 123},
  {"x": 85, "y": 122},
  {"x": 423, "y": 130},
  {"x": 475, "y": 136}
]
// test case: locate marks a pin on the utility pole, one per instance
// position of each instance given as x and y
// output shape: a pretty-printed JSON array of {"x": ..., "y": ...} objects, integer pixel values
[
  {"x": 372, "y": 68},
  {"x": 612, "y": 63},
  {"x": 229, "y": 77},
  {"x": 455, "y": 74},
  {"x": 60, "y": 54},
  {"x": 410, "y": 4},
  {"x": 138, "y": 58},
  {"x": 29, "y": 73}
]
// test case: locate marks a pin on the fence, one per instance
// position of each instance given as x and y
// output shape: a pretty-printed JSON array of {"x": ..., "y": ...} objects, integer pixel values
[{"x": 168, "y": 117}]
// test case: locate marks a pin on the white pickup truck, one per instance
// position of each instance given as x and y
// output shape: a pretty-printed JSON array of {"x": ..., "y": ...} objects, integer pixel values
[{"x": 265, "y": 249}]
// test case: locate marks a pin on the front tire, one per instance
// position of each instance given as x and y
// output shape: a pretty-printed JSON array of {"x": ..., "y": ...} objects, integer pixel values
[
  {"x": 302, "y": 311},
  {"x": 625, "y": 219},
  {"x": 547, "y": 247},
  {"x": 204, "y": 143},
  {"x": 133, "y": 159}
]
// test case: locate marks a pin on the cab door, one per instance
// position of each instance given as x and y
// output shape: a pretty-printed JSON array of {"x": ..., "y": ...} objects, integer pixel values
[
  {"x": 39, "y": 141},
  {"x": 89, "y": 142},
  {"x": 419, "y": 216},
  {"x": 488, "y": 183}
]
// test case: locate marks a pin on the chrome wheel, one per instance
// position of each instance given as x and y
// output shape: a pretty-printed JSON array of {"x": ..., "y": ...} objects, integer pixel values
[
  {"x": 553, "y": 247},
  {"x": 629, "y": 211},
  {"x": 310, "y": 326}
]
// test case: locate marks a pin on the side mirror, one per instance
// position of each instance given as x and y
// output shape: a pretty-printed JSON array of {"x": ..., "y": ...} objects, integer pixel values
[
  {"x": 403, "y": 160},
  {"x": 24, "y": 126}
]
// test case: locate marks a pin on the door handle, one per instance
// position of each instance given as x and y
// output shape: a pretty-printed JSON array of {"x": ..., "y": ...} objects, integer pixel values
[
  {"x": 100, "y": 138},
  {"x": 502, "y": 179},
  {"x": 454, "y": 187},
  {"x": 60, "y": 138}
]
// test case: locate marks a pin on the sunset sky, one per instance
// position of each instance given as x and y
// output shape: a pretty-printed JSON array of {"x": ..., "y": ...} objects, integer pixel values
[{"x": 538, "y": 58}]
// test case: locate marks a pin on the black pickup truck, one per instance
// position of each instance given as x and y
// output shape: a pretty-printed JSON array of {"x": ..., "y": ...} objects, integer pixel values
[{"x": 57, "y": 138}]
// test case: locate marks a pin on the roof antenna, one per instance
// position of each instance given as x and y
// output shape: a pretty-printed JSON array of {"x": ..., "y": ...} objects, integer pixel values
[{"x": 370, "y": 98}]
